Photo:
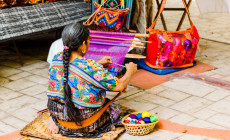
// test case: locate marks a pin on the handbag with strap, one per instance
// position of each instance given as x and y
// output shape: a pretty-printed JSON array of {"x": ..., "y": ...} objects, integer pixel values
[
  {"x": 171, "y": 49},
  {"x": 96, "y": 116},
  {"x": 107, "y": 17}
]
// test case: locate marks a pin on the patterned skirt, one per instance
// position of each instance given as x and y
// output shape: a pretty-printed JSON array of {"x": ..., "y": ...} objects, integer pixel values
[{"x": 105, "y": 123}]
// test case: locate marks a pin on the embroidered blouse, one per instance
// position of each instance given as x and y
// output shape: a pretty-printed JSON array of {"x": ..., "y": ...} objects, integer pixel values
[{"x": 84, "y": 93}]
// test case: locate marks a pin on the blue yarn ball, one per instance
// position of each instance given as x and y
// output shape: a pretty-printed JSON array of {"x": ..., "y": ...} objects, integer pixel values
[
  {"x": 133, "y": 121},
  {"x": 146, "y": 119},
  {"x": 139, "y": 115}
]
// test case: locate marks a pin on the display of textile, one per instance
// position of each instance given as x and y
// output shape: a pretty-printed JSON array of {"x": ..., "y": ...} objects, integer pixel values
[
  {"x": 21, "y": 21},
  {"x": 208, "y": 6},
  {"x": 116, "y": 49}
]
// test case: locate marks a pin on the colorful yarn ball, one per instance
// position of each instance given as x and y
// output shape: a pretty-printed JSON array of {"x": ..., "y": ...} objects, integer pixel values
[
  {"x": 146, "y": 120},
  {"x": 133, "y": 120},
  {"x": 153, "y": 119},
  {"x": 138, "y": 123},
  {"x": 128, "y": 118},
  {"x": 142, "y": 122},
  {"x": 133, "y": 116},
  {"x": 127, "y": 121},
  {"x": 145, "y": 114},
  {"x": 139, "y": 115},
  {"x": 140, "y": 119}
]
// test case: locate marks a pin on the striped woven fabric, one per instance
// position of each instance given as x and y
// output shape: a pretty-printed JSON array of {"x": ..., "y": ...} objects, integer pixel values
[{"x": 21, "y": 21}]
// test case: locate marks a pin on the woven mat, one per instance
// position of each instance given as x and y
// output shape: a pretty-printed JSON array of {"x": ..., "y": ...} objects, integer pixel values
[{"x": 37, "y": 128}]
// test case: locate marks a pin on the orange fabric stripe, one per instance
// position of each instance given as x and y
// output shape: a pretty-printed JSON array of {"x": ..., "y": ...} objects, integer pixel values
[{"x": 178, "y": 128}]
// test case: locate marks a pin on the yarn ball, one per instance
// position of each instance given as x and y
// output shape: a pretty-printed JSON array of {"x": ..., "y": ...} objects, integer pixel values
[
  {"x": 153, "y": 119},
  {"x": 138, "y": 123},
  {"x": 133, "y": 120},
  {"x": 133, "y": 116},
  {"x": 142, "y": 122},
  {"x": 140, "y": 119},
  {"x": 127, "y": 121},
  {"x": 139, "y": 115},
  {"x": 128, "y": 118},
  {"x": 146, "y": 119},
  {"x": 145, "y": 114}
]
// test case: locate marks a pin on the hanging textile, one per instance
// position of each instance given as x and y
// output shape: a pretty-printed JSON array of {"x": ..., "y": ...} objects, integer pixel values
[
  {"x": 129, "y": 4},
  {"x": 143, "y": 14},
  {"x": 116, "y": 49}
]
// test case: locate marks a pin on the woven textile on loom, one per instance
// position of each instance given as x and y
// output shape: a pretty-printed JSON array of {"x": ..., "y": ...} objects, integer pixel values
[
  {"x": 116, "y": 49},
  {"x": 22, "y": 21}
]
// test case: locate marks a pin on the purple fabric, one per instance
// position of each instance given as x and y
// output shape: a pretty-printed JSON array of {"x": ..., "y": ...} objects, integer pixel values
[
  {"x": 117, "y": 49},
  {"x": 112, "y": 33}
]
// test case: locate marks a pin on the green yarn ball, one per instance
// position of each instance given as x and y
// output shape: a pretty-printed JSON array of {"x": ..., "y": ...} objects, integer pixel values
[{"x": 153, "y": 119}]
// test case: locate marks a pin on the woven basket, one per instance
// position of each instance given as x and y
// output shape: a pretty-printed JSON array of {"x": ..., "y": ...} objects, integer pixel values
[{"x": 138, "y": 129}]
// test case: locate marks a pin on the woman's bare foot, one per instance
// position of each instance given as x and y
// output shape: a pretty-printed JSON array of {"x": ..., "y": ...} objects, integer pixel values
[{"x": 52, "y": 127}]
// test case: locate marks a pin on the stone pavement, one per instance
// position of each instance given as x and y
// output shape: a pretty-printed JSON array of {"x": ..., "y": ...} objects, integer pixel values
[{"x": 184, "y": 101}]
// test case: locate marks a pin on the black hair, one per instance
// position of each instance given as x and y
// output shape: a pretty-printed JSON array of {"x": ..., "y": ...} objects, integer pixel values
[{"x": 73, "y": 36}]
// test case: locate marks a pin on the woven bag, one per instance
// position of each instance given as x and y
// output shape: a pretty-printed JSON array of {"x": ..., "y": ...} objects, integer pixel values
[
  {"x": 171, "y": 49},
  {"x": 107, "y": 17}
]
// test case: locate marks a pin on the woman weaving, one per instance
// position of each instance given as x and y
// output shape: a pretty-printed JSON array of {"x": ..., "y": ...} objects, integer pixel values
[{"x": 72, "y": 95}]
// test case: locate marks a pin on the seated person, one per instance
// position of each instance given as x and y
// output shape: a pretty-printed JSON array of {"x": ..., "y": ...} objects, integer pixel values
[{"x": 72, "y": 95}]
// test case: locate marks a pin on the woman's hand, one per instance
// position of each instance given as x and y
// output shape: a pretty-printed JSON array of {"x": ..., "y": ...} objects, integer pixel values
[
  {"x": 105, "y": 60},
  {"x": 131, "y": 68},
  {"x": 124, "y": 81}
]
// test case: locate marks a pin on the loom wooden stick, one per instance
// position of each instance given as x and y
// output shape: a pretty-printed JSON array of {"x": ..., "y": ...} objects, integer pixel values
[
  {"x": 138, "y": 43},
  {"x": 120, "y": 39},
  {"x": 132, "y": 31},
  {"x": 117, "y": 41},
  {"x": 118, "y": 65},
  {"x": 120, "y": 33},
  {"x": 134, "y": 56},
  {"x": 142, "y": 35},
  {"x": 142, "y": 47}
]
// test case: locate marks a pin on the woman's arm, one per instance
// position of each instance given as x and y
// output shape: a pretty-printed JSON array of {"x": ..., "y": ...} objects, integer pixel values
[{"x": 124, "y": 81}]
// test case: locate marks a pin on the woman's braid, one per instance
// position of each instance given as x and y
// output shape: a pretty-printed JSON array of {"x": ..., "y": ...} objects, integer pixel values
[{"x": 73, "y": 36}]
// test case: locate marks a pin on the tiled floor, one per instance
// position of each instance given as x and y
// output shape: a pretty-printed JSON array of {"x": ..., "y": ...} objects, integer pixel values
[{"x": 184, "y": 101}]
